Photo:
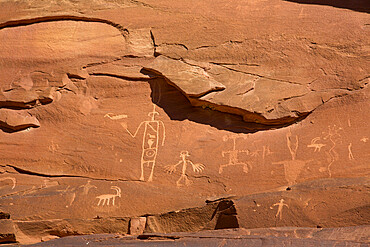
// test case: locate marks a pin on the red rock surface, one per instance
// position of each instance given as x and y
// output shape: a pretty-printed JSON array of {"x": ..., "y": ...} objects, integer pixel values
[{"x": 168, "y": 116}]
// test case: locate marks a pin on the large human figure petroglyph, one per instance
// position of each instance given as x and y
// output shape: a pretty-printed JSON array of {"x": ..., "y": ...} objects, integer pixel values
[
  {"x": 233, "y": 156},
  {"x": 150, "y": 143},
  {"x": 293, "y": 167},
  {"x": 184, "y": 161}
]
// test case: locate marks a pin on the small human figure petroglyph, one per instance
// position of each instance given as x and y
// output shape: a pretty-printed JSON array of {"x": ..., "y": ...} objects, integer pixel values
[
  {"x": 184, "y": 161},
  {"x": 279, "y": 212},
  {"x": 10, "y": 178},
  {"x": 350, "y": 154},
  {"x": 315, "y": 145},
  {"x": 107, "y": 197},
  {"x": 233, "y": 156},
  {"x": 86, "y": 187},
  {"x": 150, "y": 141}
]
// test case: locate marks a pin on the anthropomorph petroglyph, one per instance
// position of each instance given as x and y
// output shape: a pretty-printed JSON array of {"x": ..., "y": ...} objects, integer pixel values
[
  {"x": 106, "y": 198},
  {"x": 150, "y": 143},
  {"x": 314, "y": 144},
  {"x": 280, "y": 205},
  {"x": 233, "y": 156},
  {"x": 350, "y": 154},
  {"x": 86, "y": 187},
  {"x": 14, "y": 181},
  {"x": 293, "y": 167},
  {"x": 184, "y": 161}
]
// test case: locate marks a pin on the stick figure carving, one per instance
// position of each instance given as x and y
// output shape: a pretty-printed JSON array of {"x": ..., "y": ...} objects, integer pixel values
[
  {"x": 233, "y": 156},
  {"x": 10, "y": 178},
  {"x": 86, "y": 187},
  {"x": 150, "y": 141},
  {"x": 281, "y": 204},
  {"x": 184, "y": 161},
  {"x": 315, "y": 145},
  {"x": 107, "y": 197}
]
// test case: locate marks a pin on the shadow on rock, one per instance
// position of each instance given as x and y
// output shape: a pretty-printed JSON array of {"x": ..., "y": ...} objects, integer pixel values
[
  {"x": 178, "y": 107},
  {"x": 356, "y": 5}
]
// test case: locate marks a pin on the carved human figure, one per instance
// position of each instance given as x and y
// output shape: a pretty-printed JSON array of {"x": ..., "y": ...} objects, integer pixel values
[
  {"x": 233, "y": 156},
  {"x": 280, "y": 205},
  {"x": 184, "y": 161},
  {"x": 86, "y": 187},
  {"x": 150, "y": 142}
]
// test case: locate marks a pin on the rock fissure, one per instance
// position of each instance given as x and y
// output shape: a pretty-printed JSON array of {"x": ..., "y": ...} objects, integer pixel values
[
  {"x": 26, "y": 22},
  {"x": 128, "y": 78},
  {"x": 32, "y": 173}
]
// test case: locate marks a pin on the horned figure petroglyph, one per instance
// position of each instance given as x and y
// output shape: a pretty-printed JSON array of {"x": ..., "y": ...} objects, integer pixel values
[
  {"x": 150, "y": 141},
  {"x": 10, "y": 178},
  {"x": 293, "y": 167},
  {"x": 281, "y": 204},
  {"x": 107, "y": 197},
  {"x": 184, "y": 161},
  {"x": 233, "y": 156},
  {"x": 315, "y": 145}
]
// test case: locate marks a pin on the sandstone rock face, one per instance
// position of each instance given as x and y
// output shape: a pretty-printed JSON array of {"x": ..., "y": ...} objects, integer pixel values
[{"x": 151, "y": 117}]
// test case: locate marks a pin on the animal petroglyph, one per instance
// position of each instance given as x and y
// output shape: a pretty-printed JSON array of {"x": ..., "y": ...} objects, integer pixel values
[
  {"x": 233, "y": 156},
  {"x": 350, "y": 154},
  {"x": 293, "y": 167},
  {"x": 333, "y": 136},
  {"x": 280, "y": 205},
  {"x": 315, "y": 145},
  {"x": 150, "y": 143},
  {"x": 106, "y": 198},
  {"x": 184, "y": 161},
  {"x": 14, "y": 181},
  {"x": 86, "y": 187},
  {"x": 115, "y": 117}
]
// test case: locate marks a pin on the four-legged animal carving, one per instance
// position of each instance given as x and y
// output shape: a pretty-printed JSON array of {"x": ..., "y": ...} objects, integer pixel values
[{"x": 107, "y": 197}]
